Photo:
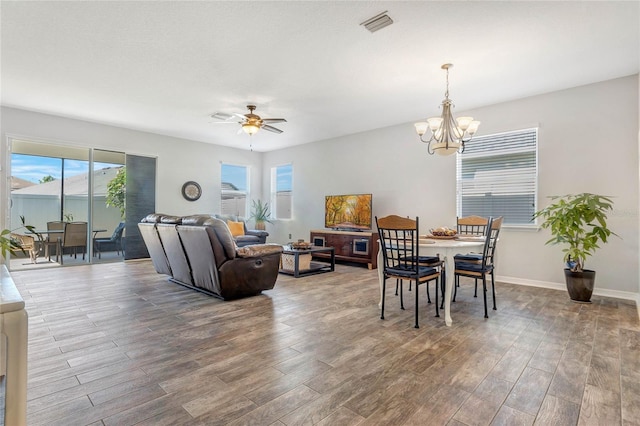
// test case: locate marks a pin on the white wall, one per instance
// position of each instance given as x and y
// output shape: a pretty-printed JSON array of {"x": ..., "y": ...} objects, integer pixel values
[
  {"x": 178, "y": 160},
  {"x": 588, "y": 142}
]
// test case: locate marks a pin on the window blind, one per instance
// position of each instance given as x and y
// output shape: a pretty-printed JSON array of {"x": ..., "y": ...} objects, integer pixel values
[{"x": 498, "y": 176}]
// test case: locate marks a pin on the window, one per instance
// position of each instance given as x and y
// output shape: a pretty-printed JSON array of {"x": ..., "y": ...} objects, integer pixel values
[
  {"x": 281, "y": 191},
  {"x": 498, "y": 176},
  {"x": 235, "y": 190}
]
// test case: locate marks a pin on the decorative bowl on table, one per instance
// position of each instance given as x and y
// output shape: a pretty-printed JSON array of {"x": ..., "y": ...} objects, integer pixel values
[
  {"x": 301, "y": 245},
  {"x": 442, "y": 233}
]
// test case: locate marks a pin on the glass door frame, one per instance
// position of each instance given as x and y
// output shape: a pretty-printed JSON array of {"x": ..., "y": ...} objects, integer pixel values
[{"x": 53, "y": 150}]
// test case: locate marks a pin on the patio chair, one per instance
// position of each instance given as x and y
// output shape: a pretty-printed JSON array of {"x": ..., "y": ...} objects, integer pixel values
[
  {"x": 28, "y": 245},
  {"x": 55, "y": 230},
  {"x": 74, "y": 236},
  {"x": 109, "y": 244}
]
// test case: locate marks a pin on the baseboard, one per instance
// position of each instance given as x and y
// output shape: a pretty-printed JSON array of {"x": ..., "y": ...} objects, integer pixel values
[{"x": 626, "y": 295}]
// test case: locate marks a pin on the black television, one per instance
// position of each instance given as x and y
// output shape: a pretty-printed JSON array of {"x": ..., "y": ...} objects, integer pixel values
[{"x": 348, "y": 212}]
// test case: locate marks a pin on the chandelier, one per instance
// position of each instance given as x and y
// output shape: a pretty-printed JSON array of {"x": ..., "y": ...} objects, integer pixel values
[{"x": 448, "y": 135}]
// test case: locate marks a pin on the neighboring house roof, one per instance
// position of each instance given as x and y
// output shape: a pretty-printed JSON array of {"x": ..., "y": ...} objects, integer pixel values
[
  {"x": 227, "y": 186},
  {"x": 75, "y": 185},
  {"x": 17, "y": 183},
  {"x": 230, "y": 191}
]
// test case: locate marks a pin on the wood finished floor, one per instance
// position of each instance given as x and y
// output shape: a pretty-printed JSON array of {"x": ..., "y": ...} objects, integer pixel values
[{"x": 117, "y": 344}]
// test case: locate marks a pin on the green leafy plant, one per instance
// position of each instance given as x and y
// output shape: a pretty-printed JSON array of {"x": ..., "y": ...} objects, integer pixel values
[
  {"x": 260, "y": 212},
  {"x": 580, "y": 222},
  {"x": 116, "y": 191},
  {"x": 68, "y": 217}
]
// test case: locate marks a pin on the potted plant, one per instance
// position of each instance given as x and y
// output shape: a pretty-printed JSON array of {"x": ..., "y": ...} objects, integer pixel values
[
  {"x": 260, "y": 214},
  {"x": 580, "y": 222}
]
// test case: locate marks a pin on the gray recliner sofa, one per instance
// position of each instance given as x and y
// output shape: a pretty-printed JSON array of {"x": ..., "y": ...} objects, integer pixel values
[
  {"x": 199, "y": 252},
  {"x": 251, "y": 236}
]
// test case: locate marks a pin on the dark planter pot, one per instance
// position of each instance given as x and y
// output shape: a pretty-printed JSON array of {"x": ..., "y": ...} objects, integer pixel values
[{"x": 580, "y": 284}]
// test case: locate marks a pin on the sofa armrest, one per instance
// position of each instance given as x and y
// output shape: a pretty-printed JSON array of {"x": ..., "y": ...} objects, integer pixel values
[
  {"x": 258, "y": 250},
  {"x": 257, "y": 233}
]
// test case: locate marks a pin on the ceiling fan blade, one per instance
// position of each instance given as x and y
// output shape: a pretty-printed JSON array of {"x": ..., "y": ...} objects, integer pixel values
[
  {"x": 271, "y": 128},
  {"x": 222, "y": 116},
  {"x": 274, "y": 120},
  {"x": 242, "y": 116}
]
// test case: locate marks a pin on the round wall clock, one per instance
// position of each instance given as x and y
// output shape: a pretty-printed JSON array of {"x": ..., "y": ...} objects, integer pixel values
[{"x": 191, "y": 190}]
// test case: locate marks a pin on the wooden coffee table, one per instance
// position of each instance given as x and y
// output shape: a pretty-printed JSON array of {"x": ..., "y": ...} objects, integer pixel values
[{"x": 313, "y": 267}]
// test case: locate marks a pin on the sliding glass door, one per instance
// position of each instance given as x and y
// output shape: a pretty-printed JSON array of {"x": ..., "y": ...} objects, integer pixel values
[
  {"x": 67, "y": 184},
  {"x": 108, "y": 207}
]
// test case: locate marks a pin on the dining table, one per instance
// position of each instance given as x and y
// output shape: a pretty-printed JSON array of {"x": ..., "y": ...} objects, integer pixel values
[
  {"x": 439, "y": 247},
  {"x": 58, "y": 233}
]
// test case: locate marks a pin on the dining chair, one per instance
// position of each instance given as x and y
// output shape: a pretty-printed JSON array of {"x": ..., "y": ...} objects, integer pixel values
[
  {"x": 475, "y": 226},
  {"x": 471, "y": 225},
  {"x": 432, "y": 262},
  {"x": 74, "y": 236},
  {"x": 472, "y": 268},
  {"x": 400, "y": 253},
  {"x": 53, "y": 238},
  {"x": 114, "y": 242}
]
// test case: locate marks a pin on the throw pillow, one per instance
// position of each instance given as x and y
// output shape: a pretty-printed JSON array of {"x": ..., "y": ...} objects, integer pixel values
[{"x": 236, "y": 228}]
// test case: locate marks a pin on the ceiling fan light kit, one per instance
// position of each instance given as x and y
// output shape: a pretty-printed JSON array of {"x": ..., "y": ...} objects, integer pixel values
[
  {"x": 448, "y": 135},
  {"x": 250, "y": 128},
  {"x": 250, "y": 123}
]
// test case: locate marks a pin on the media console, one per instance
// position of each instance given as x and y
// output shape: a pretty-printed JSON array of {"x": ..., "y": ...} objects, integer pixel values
[{"x": 350, "y": 246}]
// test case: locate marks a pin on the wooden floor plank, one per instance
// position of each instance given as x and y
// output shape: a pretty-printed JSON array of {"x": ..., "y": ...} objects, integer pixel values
[
  {"x": 313, "y": 350},
  {"x": 600, "y": 406},
  {"x": 557, "y": 411},
  {"x": 529, "y": 391}
]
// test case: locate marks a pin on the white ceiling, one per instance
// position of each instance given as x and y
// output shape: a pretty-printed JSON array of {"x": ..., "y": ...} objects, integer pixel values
[{"x": 165, "y": 67}]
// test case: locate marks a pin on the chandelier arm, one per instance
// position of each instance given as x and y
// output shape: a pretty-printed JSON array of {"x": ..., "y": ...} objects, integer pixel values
[
  {"x": 431, "y": 139},
  {"x": 430, "y": 150}
]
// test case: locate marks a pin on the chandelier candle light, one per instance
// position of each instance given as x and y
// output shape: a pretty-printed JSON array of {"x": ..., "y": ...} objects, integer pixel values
[{"x": 448, "y": 135}]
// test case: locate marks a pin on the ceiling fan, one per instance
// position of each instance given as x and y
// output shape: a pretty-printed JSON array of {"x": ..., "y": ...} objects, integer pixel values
[{"x": 250, "y": 122}]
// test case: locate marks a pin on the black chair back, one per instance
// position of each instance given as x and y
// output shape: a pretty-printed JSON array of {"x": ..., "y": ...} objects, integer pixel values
[
  {"x": 117, "y": 233},
  {"x": 493, "y": 231},
  {"x": 399, "y": 240}
]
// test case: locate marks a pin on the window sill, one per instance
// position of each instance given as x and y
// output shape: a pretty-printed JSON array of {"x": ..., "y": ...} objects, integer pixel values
[{"x": 521, "y": 228}]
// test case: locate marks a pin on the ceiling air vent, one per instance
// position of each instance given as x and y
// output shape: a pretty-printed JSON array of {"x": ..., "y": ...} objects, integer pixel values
[{"x": 378, "y": 22}]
